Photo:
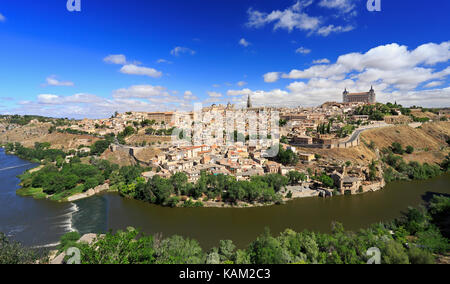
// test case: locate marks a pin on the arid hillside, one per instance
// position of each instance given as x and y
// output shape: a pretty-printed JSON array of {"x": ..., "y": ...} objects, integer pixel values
[
  {"x": 29, "y": 134},
  {"x": 429, "y": 140},
  {"x": 121, "y": 158},
  {"x": 360, "y": 155}
]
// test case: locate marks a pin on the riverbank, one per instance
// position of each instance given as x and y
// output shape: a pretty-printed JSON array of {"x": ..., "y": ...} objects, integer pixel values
[
  {"x": 75, "y": 194},
  {"x": 72, "y": 181},
  {"x": 42, "y": 222},
  {"x": 419, "y": 236},
  {"x": 33, "y": 222}
]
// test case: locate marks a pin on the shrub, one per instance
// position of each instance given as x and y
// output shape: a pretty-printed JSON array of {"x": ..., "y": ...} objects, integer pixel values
[{"x": 409, "y": 149}]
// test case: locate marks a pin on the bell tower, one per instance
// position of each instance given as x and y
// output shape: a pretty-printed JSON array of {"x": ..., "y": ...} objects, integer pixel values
[{"x": 344, "y": 96}]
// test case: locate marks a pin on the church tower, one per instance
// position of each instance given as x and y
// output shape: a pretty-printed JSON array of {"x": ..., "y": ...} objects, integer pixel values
[
  {"x": 344, "y": 96},
  {"x": 249, "y": 102},
  {"x": 372, "y": 96}
]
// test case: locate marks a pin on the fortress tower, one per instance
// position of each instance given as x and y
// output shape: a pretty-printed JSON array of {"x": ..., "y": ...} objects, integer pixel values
[{"x": 366, "y": 97}]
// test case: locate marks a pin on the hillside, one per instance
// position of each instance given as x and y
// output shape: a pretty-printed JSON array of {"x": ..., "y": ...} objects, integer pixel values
[
  {"x": 429, "y": 140},
  {"x": 140, "y": 137},
  {"x": 29, "y": 134}
]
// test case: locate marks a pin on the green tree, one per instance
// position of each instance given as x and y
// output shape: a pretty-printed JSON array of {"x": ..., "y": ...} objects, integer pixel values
[
  {"x": 394, "y": 253},
  {"x": 397, "y": 148},
  {"x": 409, "y": 149},
  {"x": 119, "y": 248},
  {"x": 99, "y": 147},
  {"x": 177, "y": 250},
  {"x": 266, "y": 250},
  {"x": 14, "y": 253},
  {"x": 90, "y": 183}
]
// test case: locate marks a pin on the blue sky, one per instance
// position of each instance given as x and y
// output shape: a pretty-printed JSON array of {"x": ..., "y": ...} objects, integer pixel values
[{"x": 163, "y": 55}]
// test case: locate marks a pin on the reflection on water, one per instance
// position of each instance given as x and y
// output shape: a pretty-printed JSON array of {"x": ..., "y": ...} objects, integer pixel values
[
  {"x": 91, "y": 216},
  {"x": 209, "y": 225}
]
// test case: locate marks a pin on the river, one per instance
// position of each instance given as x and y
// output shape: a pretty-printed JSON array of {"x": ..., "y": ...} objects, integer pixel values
[{"x": 42, "y": 222}]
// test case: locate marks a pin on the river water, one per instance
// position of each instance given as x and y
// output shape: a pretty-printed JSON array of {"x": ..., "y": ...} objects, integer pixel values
[{"x": 42, "y": 222}]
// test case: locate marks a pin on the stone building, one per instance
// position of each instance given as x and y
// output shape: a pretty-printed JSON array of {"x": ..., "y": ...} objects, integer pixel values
[{"x": 365, "y": 97}]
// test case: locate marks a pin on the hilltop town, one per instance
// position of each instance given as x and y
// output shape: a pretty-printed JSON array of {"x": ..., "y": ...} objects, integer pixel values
[{"x": 322, "y": 150}]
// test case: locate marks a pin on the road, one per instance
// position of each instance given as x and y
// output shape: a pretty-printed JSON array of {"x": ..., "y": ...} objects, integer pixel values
[{"x": 360, "y": 130}]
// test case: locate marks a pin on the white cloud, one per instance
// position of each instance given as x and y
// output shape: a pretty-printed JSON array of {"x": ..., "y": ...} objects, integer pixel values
[
  {"x": 271, "y": 77},
  {"x": 390, "y": 63},
  {"x": 241, "y": 83},
  {"x": 140, "y": 91},
  {"x": 180, "y": 50},
  {"x": 53, "y": 81},
  {"x": 52, "y": 99},
  {"x": 290, "y": 18},
  {"x": 295, "y": 17},
  {"x": 434, "y": 84},
  {"x": 321, "y": 61},
  {"x": 303, "y": 50},
  {"x": 325, "y": 31},
  {"x": 2, "y": 18},
  {"x": 214, "y": 94},
  {"x": 139, "y": 70},
  {"x": 345, "y": 6},
  {"x": 395, "y": 72},
  {"x": 163, "y": 61},
  {"x": 49, "y": 99},
  {"x": 243, "y": 92},
  {"x": 189, "y": 96},
  {"x": 134, "y": 98},
  {"x": 244, "y": 42},
  {"x": 116, "y": 59}
]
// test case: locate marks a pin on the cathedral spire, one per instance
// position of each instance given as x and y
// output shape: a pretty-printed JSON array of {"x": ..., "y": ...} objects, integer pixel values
[{"x": 249, "y": 102}]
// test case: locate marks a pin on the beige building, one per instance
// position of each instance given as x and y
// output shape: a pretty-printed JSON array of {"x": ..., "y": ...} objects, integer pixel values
[{"x": 366, "y": 97}]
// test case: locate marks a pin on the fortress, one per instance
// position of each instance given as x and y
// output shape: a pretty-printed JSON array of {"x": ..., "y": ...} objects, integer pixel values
[{"x": 367, "y": 97}]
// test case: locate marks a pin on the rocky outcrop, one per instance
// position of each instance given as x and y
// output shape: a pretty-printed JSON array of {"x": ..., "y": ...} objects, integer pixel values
[
  {"x": 87, "y": 238},
  {"x": 89, "y": 193}
]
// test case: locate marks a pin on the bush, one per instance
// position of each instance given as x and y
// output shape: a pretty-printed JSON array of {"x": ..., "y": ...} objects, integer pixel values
[
  {"x": 99, "y": 147},
  {"x": 397, "y": 148},
  {"x": 394, "y": 253},
  {"x": 14, "y": 253},
  {"x": 409, "y": 149},
  {"x": 418, "y": 256},
  {"x": 68, "y": 240},
  {"x": 90, "y": 183}
]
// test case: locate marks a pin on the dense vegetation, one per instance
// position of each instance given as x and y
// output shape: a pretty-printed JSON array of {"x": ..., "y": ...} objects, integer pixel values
[
  {"x": 40, "y": 152},
  {"x": 60, "y": 178},
  {"x": 286, "y": 157},
  {"x": 418, "y": 237},
  {"x": 12, "y": 252},
  {"x": 379, "y": 111},
  {"x": 171, "y": 191}
]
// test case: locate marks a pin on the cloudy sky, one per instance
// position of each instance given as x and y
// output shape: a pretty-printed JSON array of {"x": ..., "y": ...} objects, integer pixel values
[{"x": 165, "y": 55}]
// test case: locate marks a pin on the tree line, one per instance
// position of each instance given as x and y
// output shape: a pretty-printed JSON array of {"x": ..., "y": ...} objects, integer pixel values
[
  {"x": 418, "y": 237},
  {"x": 171, "y": 191}
]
